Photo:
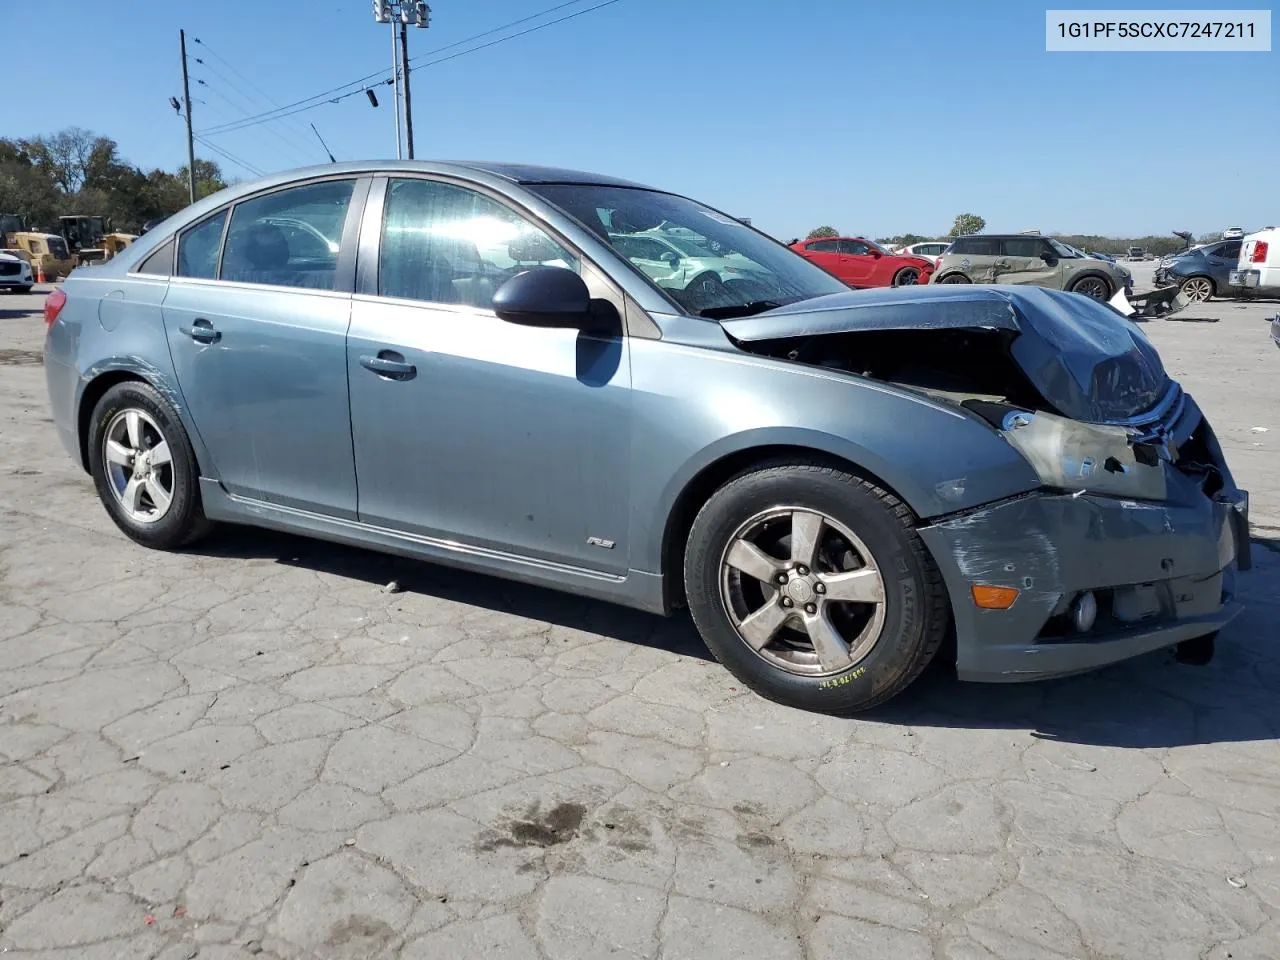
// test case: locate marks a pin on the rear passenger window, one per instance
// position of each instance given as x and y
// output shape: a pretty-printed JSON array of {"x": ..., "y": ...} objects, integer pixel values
[
  {"x": 823, "y": 246},
  {"x": 976, "y": 246},
  {"x": 198, "y": 248},
  {"x": 291, "y": 238},
  {"x": 159, "y": 263},
  {"x": 1023, "y": 247}
]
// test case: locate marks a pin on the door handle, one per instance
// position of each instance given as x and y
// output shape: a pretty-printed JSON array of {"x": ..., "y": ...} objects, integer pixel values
[
  {"x": 202, "y": 331},
  {"x": 389, "y": 364}
]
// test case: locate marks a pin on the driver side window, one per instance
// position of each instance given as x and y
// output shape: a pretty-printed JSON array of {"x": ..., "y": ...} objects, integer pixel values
[
  {"x": 447, "y": 244},
  {"x": 855, "y": 248}
]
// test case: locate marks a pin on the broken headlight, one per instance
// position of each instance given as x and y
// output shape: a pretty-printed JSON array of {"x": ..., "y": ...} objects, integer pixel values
[{"x": 1080, "y": 457}]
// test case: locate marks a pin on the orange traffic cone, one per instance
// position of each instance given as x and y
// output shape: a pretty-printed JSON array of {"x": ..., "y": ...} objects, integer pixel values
[{"x": 40, "y": 273}]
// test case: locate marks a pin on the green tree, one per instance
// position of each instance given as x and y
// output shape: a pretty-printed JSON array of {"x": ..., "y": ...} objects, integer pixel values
[
  {"x": 967, "y": 224},
  {"x": 818, "y": 232},
  {"x": 208, "y": 177}
]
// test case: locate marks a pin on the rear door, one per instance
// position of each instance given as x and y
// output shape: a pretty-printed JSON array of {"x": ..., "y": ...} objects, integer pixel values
[
  {"x": 256, "y": 319},
  {"x": 826, "y": 254}
]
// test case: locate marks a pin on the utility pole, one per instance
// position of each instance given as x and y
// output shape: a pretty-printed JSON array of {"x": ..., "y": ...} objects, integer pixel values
[
  {"x": 408, "y": 102},
  {"x": 395, "y": 83},
  {"x": 186, "y": 98}
]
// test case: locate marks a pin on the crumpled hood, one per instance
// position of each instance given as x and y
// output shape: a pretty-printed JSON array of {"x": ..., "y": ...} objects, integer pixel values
[{"x": 1083, "y": 357}]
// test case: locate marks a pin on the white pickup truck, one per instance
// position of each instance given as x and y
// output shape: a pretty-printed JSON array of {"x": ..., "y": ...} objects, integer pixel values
[{"x": 1258, "y": 270}]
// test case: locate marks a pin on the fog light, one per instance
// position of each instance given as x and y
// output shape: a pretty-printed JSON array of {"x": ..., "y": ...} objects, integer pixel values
[{"x": 1084, "y": 612}]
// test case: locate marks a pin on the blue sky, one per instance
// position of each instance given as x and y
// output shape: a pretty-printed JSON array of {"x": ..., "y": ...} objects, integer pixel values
[{"x": 875, "y": 117}]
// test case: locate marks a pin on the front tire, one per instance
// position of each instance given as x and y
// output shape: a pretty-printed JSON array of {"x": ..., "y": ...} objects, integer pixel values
[
  {"x": 812, "y": 587},
  {"x": 144, "y": 467},
  {"x": 1197, "y": 289},
  {"x": 1092, "y": 286},
  {"x": 907, "y": 277}
]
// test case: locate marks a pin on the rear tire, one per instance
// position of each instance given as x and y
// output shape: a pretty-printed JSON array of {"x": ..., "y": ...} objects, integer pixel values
[
  {"x": 144, "y": 467},
  {"x": 848, "y": 630}
]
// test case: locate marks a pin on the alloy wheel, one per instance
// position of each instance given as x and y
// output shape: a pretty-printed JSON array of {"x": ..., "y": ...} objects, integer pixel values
[
  {"x": 1197, "y": 289},
  {"x": 802, "y": 591},
  {"x": 1094, "y": 287},
  {"x": 907, "y": 277},
  {"x": 139, "y": 465}
]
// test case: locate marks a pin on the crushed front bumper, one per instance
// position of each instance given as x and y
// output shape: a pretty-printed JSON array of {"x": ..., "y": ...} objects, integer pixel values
[{"x": 1163, "y": 573}]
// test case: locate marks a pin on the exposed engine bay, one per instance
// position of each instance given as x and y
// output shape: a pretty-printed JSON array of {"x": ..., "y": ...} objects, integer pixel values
[{"x": 985, "y": 371}]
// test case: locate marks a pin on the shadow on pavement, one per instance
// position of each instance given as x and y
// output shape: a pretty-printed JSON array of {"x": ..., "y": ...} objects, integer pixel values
[
  {"x": 675, "y": 634},
  {"x": 1148, "y": 702}
]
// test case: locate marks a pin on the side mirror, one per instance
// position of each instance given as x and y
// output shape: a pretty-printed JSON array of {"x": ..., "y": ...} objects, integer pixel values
[
  {"x": 1049, "y": 258},
  {"x": 544, "y": 297},
  {"x": 671, "y": 257}
]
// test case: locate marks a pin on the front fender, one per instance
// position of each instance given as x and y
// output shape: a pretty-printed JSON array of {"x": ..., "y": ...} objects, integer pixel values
[{"x": 937, "y": 458}]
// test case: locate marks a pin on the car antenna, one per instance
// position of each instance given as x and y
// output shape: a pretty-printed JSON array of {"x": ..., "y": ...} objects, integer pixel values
[{"x": 323, "y": 144}]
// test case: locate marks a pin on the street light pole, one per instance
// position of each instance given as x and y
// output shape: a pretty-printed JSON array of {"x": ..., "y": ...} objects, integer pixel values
[{"x": 408, "y": 10}]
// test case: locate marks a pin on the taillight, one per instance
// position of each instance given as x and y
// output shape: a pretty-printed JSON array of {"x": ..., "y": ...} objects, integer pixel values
[
  {"x": 53, "y": 305},
  {"x": 1259, "y": 252}
]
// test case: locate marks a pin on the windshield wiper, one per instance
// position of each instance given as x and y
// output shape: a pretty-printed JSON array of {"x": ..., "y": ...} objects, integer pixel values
[{"x": 739, "y": 310}]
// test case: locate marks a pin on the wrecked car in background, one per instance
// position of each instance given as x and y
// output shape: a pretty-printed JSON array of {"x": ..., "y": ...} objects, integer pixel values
[{"x": 831, "y": 481}]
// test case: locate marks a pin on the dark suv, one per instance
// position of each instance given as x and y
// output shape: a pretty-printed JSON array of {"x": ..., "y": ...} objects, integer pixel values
[
  {"x": 1202, "y": 272},
  {"x": 1036, "y": 260}
]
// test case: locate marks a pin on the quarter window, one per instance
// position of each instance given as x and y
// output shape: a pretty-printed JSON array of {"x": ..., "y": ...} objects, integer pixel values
[
  {"x": 160, "y": 262},
  {"x": 291, "y": 238},
  {"x": 198, "y": 248},
  {"x": 446, "y": 244}
]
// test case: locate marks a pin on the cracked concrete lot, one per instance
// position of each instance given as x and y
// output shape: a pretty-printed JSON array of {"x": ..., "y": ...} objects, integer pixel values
[{"x": 254, "y": 749}]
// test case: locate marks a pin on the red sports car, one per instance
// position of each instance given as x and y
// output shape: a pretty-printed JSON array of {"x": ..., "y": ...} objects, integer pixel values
[{"x": 864, "y": 263}]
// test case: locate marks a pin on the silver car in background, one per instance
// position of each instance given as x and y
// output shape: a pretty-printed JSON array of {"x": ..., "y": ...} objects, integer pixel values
[{"x": 461, "y": 363}]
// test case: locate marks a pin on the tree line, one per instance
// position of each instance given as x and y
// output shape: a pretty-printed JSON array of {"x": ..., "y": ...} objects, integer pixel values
[
  {"x": 77, "y": 172},
  {"x": 970, "y": 223}
]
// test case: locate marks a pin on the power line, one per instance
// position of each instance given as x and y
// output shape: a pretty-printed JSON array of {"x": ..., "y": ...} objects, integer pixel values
[
  {"x": 229, "y": 156},
  {"x": 295, "y": 129},
  {"x": 293, "y": 148},
  {"x": 310, "y": 103}
]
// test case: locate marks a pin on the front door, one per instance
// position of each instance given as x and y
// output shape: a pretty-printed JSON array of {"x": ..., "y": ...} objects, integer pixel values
[
  {"x": 470, "y": 429},
  {"x": 1028, "y": 260},
  {"x": 257, "y": 331},
  {"x": 857, "y": 263}
]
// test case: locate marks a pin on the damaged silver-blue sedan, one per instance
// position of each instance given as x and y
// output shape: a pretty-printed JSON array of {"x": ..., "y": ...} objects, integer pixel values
[{"x": 600, "y": 387}]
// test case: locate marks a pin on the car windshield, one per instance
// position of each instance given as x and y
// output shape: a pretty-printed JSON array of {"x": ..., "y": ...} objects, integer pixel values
[
  {"x": 752, "y": 273},
  {"x": 1062, "y": 250}
]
